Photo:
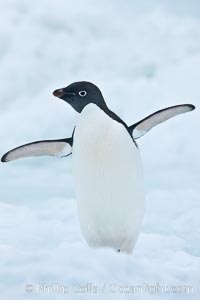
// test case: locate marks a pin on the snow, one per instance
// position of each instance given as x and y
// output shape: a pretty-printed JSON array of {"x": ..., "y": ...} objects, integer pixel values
[{"x": 144, "y": 55}]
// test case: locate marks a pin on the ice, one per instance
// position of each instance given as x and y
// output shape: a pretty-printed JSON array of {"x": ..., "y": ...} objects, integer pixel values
[{"x": 144, "y": 56}]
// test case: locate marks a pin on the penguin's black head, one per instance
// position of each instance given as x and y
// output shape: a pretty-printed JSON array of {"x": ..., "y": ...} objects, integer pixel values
[{"x": 79, "y": 94}]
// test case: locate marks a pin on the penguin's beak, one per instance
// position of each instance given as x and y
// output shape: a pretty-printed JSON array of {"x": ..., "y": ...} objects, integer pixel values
[
  {"x": 64, "y": 94},
  {"x": 58, "y": 93}
]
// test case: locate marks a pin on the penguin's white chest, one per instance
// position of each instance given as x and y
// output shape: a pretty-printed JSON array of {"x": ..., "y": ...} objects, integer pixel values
[{"x": 108, "y": 181}]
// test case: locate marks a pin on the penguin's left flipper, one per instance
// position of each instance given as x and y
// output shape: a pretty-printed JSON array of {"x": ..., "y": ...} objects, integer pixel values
[
  {"x": 140, "y": 128},
  {"x": 58, "y": 148}
]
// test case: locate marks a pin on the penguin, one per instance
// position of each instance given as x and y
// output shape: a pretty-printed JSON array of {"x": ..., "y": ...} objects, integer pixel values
[{"x": 106, "y": 164}]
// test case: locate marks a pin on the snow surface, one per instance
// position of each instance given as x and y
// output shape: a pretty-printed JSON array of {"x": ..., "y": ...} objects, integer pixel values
[{"x": 144, "y": 55}]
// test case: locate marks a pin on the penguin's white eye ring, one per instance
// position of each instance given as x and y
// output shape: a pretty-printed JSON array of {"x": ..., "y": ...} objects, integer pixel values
[{"x": 82, "y": 93}]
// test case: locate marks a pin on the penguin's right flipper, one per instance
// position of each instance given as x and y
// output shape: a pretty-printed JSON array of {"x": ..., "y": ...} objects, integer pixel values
[{"x": 58, "y": 148}]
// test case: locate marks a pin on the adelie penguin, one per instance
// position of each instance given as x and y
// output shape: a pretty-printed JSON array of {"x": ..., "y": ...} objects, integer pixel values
[{"x": 106, "y": 165}]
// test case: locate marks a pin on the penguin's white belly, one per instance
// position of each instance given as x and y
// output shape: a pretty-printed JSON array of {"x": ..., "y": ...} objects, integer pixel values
[{"x": 108, "y": 180}]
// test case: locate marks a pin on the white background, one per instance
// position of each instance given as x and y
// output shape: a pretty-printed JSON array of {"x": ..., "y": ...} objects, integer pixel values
[{"x": 144, "y": 56}]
